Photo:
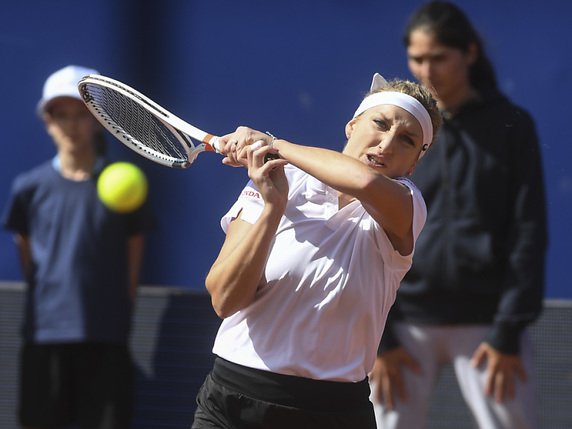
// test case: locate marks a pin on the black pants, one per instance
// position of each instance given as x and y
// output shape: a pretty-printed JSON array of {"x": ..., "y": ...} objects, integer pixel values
[
  {"x": 236, "y": 397},
  {"x": 90, "y": 384}
]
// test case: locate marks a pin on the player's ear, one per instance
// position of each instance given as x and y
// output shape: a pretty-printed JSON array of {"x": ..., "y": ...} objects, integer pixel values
[{"x": 350, "y": 127}]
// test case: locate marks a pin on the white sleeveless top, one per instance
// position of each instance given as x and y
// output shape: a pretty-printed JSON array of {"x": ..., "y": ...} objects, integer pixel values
[{"x": 332, "y": 276}]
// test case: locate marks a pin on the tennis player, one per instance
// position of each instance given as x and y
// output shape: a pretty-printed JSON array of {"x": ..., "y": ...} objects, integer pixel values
[{"x": 315, "y": 248}]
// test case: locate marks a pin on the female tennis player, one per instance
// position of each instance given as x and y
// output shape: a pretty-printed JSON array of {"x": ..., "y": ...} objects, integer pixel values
[{"x": 316, "y": 245}]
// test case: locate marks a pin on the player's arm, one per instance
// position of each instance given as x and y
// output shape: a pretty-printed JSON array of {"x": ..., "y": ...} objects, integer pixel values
[
  {"x": 521, "y": 298},
  {"x": 236, "y": 273},
  {"x": 135, "y": 246},
  {"x": 24, "y": 254},
  {"x": 388, "y": 201}
]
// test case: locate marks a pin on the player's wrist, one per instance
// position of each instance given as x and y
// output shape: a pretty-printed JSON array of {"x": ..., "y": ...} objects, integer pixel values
[
  {"x": 272, "y": 138},
  {"x": 272, "y": 145}
]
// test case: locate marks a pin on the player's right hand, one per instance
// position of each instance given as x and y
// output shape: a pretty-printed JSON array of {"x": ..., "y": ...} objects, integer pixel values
[{"x": 268, "y": 175}]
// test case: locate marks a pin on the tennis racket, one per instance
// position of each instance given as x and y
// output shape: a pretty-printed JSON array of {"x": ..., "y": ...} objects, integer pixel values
[{"x": 143, "y": 125}]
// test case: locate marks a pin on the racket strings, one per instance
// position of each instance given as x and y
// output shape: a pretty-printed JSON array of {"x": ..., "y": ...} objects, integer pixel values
[{"x": 136, "y": 123}]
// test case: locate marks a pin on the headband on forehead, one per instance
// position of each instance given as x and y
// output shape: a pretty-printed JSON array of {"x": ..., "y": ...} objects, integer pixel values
[{"x": 399, "y": 99}]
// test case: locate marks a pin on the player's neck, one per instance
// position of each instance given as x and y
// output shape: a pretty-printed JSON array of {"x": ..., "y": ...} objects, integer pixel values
[
  {"x": 453, "y": 102},
  {"x": 76, "y": 166}
]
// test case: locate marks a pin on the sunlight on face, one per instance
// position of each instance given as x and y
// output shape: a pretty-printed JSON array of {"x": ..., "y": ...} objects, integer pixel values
[{"x": 387, "y": 138}]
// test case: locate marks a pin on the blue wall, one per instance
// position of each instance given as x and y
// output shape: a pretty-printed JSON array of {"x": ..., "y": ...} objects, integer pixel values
[{"x": 295, "y": 67}]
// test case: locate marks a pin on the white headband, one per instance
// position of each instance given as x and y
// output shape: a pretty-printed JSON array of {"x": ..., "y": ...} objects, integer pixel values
[{"x": 399, "y": 99}]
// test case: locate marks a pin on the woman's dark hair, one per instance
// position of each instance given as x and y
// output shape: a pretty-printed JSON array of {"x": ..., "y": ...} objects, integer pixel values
[{"x": 452, "y": 28}]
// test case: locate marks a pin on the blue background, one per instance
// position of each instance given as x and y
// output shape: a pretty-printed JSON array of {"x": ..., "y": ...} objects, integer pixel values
[{"x": 295, "y": 67}]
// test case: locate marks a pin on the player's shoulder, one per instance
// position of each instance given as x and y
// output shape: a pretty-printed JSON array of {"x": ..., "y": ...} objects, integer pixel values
[
  {"x": 416, "y": 195},
  {"x": 407, "y": 182},
  {"x": 507, "y": 109},
  {"x": 33, "y": 177}
]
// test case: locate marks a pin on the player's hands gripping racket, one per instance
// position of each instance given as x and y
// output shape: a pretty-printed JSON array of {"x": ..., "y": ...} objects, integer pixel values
[{"x": 143, "y": 125}]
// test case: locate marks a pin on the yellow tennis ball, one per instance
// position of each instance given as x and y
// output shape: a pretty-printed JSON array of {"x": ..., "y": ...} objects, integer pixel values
[{"x": 122, "y": 187}]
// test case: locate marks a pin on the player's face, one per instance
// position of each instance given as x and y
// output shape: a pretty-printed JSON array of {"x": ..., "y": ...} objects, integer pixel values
[
  {"x": 442, "y": 69},
  {"x": 387, "y": 138},
  {"x": 70, "y": 123}
]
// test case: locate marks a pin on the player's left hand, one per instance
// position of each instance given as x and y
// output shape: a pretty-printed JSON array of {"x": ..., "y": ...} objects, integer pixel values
[
  {"x": 234, "y": 145},
  {"x": 503, "y": 371}
]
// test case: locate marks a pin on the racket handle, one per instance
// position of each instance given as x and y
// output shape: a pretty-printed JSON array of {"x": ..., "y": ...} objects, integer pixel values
[
  {"x": 270, "y": 156},
  {"x": 215, "y": 144}
]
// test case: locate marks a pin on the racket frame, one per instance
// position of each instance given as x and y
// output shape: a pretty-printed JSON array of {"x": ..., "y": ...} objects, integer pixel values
[{"x": 181, "y": 130}]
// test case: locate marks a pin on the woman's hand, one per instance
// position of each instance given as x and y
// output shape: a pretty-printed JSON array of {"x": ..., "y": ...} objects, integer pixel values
[
  {"x": 234, "y": 145},
  {"x": 267, "y": 175},
  {"x": 238, "y": 270},
  {"x": 387, "y": 376},
  {"x": 504, "y": 372}
]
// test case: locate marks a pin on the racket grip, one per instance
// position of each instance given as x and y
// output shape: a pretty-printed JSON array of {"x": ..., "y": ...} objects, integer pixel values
[
  {"x": 215, "y": 144},
  {"x": 270, "y": 156}
]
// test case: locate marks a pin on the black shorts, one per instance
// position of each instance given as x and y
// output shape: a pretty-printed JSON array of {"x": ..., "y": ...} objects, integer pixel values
[
  {"x": 237, "y": 397},
  {"x": 90, "y": 384}
]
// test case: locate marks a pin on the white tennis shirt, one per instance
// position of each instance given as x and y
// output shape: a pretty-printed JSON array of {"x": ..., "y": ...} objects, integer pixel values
[{"x": 331, "y": 278}]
